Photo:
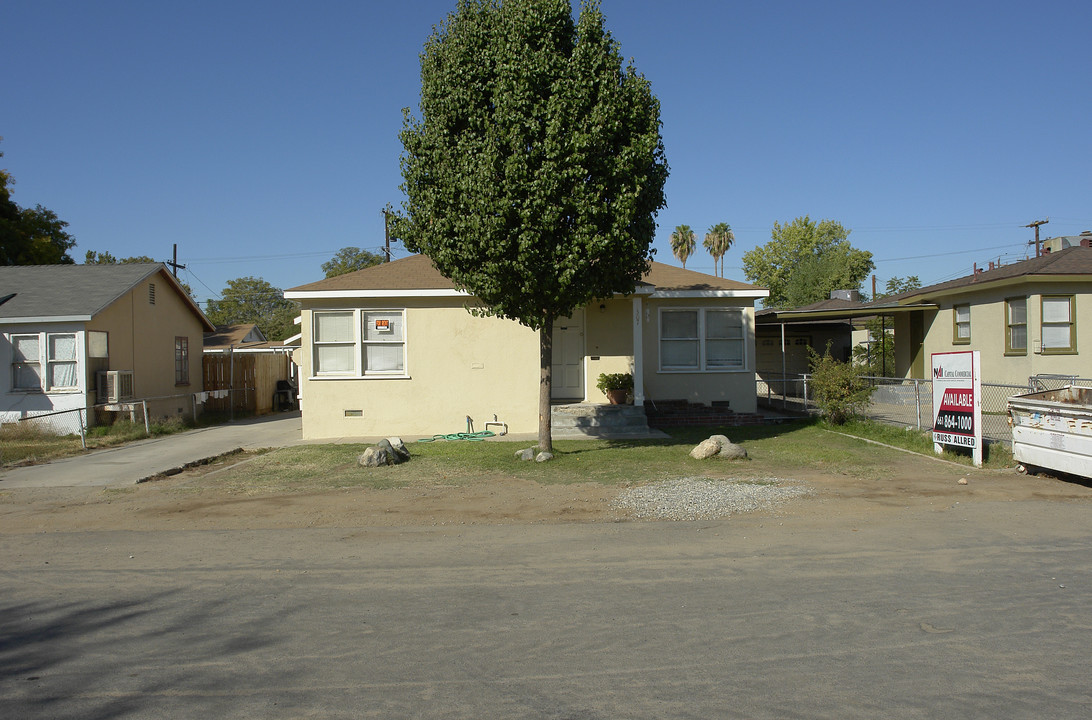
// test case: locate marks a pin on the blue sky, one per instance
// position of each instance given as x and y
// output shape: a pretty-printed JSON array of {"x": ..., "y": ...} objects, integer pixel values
[{"x": 261, "y": 137}]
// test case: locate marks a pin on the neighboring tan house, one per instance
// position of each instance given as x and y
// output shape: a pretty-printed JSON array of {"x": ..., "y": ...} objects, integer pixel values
[
  {"x": 75, "y": 335},
  {"x": 393, "y": 349}
]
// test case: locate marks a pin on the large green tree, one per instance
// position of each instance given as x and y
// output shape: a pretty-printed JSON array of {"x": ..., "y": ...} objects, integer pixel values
[
  {"x": 804, "y": 260},
  {"x": 253, "y": 300},
  {"x": 535, "y": 169},
  {"x": 717, "y": 241},
  {"x": 350, "y": 259},
  {"x": 30, "y": 236},
  {"x": 682, "y": 243}
]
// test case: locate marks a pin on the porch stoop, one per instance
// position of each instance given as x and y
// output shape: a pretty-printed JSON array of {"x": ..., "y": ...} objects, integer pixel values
[{"x": 605, "y": 421}]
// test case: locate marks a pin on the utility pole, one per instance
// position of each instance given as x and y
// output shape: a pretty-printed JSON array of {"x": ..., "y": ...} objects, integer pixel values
[
  {"x": 387, "y": 231},
  {"x": 174, "y": 263},
  {"x": 1036, "y": 225}
]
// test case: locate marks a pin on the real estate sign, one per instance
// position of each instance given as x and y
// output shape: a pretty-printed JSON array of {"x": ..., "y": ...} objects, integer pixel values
[{"x": 957, "y": 401}]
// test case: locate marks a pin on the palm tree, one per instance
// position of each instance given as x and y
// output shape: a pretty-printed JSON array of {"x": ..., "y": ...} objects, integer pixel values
[
  {"x": 682, "y": 243},
  {"x": 717, "y": 241}
]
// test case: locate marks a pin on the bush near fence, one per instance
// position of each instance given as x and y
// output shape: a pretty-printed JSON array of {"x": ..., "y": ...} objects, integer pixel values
[{"x": 909, "y": 402}]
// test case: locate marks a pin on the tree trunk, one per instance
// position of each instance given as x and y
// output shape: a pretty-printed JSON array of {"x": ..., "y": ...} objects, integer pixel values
[{"x": 545, "y": 383}]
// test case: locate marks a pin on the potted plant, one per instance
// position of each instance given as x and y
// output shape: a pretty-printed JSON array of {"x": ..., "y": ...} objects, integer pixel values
[{"x": 616, "y": 386}]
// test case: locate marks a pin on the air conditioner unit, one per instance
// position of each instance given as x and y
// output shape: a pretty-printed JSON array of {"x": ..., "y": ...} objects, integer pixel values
[{"x": 114, "y": 386}]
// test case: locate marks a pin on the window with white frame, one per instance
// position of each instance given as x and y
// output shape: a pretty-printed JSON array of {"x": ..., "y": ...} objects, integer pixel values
[
  {"x": 44, "y": 361},
  {"x": 701, "y": 340},
  {"x": 334, "y": 343},
  {"x": 26, "y": 362},
  {"x": 61, "y": 361},
  {"x": 359, "y": 343},
  {"x": 384, "y": 342},
  {"x": 1016, "y": 326}
]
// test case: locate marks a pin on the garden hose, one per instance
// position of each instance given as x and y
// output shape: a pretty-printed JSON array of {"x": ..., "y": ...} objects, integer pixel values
[{"x": 470, "y": 436}]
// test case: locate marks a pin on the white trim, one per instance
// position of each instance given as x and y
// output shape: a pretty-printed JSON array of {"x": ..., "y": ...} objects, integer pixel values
[
  {"x": 344, "y": 294},
  {"x": 47, "y": 319},
  {"x": 695, "y": 294}
]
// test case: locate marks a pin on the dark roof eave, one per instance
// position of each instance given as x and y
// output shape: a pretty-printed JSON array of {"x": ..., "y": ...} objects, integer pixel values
[{"x": 777, "y": 316}]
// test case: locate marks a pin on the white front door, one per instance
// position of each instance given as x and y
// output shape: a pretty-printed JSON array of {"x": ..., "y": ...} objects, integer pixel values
[{"x": 568, "y": 358}]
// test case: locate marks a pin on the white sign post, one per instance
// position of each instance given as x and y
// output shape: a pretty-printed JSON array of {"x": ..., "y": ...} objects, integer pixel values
[{"x": 957, "y": 402}]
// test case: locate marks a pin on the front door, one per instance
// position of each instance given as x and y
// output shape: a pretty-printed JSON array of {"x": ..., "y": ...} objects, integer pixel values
[{"x": 567, "y": 366}]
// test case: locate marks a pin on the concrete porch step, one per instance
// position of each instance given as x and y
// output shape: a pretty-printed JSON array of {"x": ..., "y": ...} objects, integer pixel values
[{"x": 592, "y": 420}]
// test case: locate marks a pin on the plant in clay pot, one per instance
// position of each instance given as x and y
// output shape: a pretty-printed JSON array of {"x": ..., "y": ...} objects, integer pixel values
[{"x": 616, "y": 386}]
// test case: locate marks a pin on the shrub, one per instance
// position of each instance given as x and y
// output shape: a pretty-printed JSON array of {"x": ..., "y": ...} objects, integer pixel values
[{"x": 838, "y": 391}]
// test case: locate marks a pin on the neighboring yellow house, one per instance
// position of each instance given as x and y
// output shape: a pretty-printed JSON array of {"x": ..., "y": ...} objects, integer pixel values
[
  {"x": 70, "y": 332},
  {"x": 1028, "y": 318},
  {"x": 394, "y": 350}
]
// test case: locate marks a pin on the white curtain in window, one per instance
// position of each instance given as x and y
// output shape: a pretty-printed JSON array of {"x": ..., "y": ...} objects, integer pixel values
[
  {"x": 62, "y": 347},
  {"x": 334, "y": 327},
  {"x": 383, "y": 358},
  {"x": 722, "y": 325},
  {"x": 62, "y": 375},
  {"x": 1018, "y": 312},
  {"x": 26, "y": 349},
  {"x": 679, "y": 354},
  {"x": 334, "y": 359},
  {"x": 1056, "y": 310},
  {"x": 1056, "y": 336},
  {"x": 724, "y": 353},
  {"x": 679, "y": 324}
]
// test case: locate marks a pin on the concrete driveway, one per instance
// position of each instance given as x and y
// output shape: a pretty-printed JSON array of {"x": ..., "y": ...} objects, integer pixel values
[{"x": 132, "y": 463}]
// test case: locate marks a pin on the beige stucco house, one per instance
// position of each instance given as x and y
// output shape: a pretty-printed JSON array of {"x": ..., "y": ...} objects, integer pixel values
[
  {"x": 63, "y": 326},
  {"x": 394, "y": 349}
]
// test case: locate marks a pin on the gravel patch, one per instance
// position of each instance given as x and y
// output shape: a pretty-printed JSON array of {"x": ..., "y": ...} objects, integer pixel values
[{"x": 701, "y": 498}]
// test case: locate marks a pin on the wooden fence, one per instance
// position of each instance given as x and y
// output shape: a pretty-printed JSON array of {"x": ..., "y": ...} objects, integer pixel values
[{"x": 254, "y": 381}]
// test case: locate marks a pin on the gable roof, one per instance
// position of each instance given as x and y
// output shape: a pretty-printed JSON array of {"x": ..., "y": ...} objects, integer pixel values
[
  {"x": 416, "y": 275},
  {"x": 55, "y": 293},
  {"x": 227, "y": 335}
]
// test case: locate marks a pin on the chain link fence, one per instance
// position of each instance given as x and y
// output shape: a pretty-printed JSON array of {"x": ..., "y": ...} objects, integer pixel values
[
  {"x": 76, "y": 421},
  {"x": 909, "y": 402}
]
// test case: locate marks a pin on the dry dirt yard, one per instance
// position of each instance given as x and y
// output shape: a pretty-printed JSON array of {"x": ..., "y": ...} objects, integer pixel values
[{"x": 197, "y": 500}]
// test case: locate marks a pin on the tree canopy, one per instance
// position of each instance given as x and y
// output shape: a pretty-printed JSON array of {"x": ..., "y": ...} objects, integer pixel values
[
  {"x": 350, "y": 259},
  {"x": 805, "y": 260},
  {"x": 535, "y": 170},
  {"x": 30, "y": 236},
  {"x": 92, "y": 257},
  {"x": 682, "y": 243},
  {"x": 253, "y": 300}
]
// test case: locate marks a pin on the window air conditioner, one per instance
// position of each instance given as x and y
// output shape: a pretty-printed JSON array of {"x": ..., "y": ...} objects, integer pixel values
[{"x": 114, "y": 386}]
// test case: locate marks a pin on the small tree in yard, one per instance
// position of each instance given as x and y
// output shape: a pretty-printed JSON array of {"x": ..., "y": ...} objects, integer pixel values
[
  {"x": 838, "y": 391},
  {"x": 536, "y": 168}
]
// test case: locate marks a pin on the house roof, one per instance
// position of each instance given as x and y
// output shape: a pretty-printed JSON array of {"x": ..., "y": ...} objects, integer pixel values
[
  {"x": 417, "y": 275},
  {"x": 1070, "y": 263},
  {"x": 228, "y": 335},
  {"x": 1073, "y": 263},
  {"x": 53, "y": 293}
]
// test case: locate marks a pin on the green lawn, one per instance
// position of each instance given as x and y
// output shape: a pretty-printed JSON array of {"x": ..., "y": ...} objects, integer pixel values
[{"x": 775, "y": 450}]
